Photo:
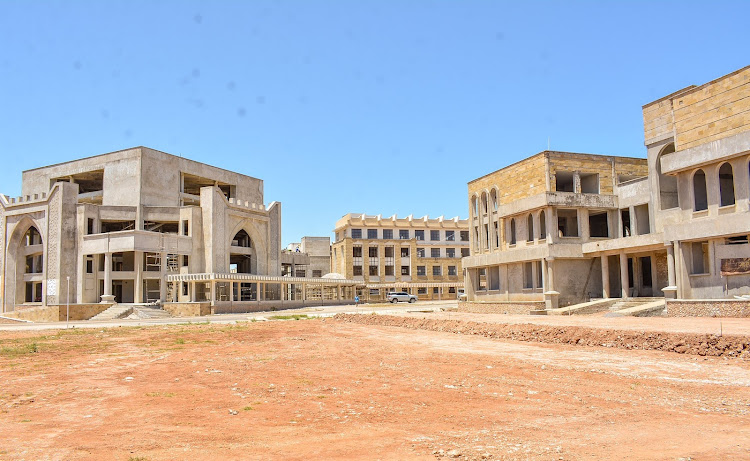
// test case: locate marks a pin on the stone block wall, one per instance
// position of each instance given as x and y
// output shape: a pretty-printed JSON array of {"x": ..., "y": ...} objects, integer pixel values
[
  {"x": 188, "y": 309},
  {"x": 707, "y": 308},
  {"x": 500, "y": 307},
  {"x": 57, "y": 313},
  {"x": 520, "y": 180}
]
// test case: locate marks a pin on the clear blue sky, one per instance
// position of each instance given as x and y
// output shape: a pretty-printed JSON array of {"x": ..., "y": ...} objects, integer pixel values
[{"x": 349, "y": 106}]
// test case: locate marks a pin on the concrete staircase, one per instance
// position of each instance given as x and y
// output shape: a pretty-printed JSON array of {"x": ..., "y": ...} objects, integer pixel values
[{"x": 116, "y": 311}]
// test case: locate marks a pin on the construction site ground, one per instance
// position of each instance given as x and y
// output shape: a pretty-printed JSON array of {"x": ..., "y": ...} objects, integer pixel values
[{"x": 371, "y": 387}]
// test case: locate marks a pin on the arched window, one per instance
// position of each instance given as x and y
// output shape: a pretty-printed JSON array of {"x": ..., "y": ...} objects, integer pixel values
[
  {"x": 493, "y": 198},
  {"x": 668, "y": 197},
  {"x": 241, "y": 239},
  {"x": 484, "y": 202},
  {"x": 530, "y": 225},
  {"x": 726, "y": 184},
  {"x": 512, "y": 231},
  {"x": 700, "y": 198},
  {"x": 475, "y": 206},
  {"x": 542, "y": 226}
]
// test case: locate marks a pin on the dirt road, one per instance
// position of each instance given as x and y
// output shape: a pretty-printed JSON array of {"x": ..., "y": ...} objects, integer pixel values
[{"x": 326, "y": 389}]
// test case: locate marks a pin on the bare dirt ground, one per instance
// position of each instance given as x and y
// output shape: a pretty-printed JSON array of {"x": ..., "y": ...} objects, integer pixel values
[{"x": 330, "y": 389}]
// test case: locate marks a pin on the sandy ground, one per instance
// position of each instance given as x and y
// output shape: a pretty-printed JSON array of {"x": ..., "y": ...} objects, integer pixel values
[{"x": 327, "y": 389}]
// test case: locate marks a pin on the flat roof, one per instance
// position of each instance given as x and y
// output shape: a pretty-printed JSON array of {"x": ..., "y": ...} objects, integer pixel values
[
  {"x": 546, "y": 153},
  {"x": 138, "y": 148}
]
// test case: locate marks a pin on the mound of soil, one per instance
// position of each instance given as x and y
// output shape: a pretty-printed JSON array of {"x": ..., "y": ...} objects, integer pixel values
[{"x": 681, "y": 343}]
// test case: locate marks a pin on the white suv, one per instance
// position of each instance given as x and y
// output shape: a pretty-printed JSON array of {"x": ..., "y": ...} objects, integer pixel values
[{"x": 400, "y": 296}]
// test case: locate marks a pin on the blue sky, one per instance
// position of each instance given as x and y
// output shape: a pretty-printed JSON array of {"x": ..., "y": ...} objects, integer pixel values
[{"x": 349, "y": 106}]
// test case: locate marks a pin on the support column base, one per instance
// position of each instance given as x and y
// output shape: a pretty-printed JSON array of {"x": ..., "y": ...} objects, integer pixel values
[
  {"x": 551, "y": 299},
  {"x": 108, "y": 299},
  {"x": 670, "y": 292}
]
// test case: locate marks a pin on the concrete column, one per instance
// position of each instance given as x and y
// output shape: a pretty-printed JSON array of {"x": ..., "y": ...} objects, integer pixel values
[
  {"x": 107, "y": 296},
  {"x": 654, "y": 281},
  {"x": 672, "y": 280},
  {"x": 163, "y": 276},
  {"x": 551, "y": 297},
  {"x": 193, "y": 294},
  {"x": 231, "y": 291},
  {"x": 605, "y": 276},
  {"x": 108, "y": 273},
  {"x": 670, "y": 291},
  {"x": 544, "y": 274},
  {"x": 624, "y": 282},
  {"x": 550, "y": 274},
  {"x": 138, "y": 268},
  {"x": 633, "y": 221},
  {"x": 583, "y": 224}
]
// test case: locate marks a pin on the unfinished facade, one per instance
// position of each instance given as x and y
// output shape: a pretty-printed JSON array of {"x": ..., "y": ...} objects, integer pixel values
[
  {"x": 311, "y": 257},
  {"x": 564, "y": 228},
  {"x": 419, "y": 255},
  {"x": 530, "y": 221},
  {"x": 136, "y": 226}
]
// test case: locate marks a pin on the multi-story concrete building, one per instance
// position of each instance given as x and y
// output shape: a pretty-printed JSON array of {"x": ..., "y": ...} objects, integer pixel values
[
  {"x": 563, "y": 228},
  {"x": 139, "y": 226},
  {"x": 418, "y": 255},
  {"x": 529, "y": 222}
]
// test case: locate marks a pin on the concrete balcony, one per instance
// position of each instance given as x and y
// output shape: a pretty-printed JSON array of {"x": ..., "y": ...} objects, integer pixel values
[{"x": 136, "y": 240}]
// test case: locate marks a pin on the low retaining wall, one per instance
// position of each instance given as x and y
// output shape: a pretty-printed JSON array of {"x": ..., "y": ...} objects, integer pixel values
[
  {"x": 56, "y": 313},
  {"x": 188, "y": 309},
  {"x": 500, "y": 307},
  {"x": 707, "y": 308}
]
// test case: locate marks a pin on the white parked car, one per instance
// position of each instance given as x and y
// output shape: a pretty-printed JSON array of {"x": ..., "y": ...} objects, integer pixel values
[{"x": 397, "y": 296}]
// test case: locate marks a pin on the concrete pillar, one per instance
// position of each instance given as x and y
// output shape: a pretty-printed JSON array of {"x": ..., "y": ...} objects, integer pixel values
[
  {"x": 550, "y": 274},
  {"x": 107, "y": 297},
  {"x": 163, "y": 276},
  {"x": 551, "y": 297},
  {"x": 138, "y": 268},
  {"x": 653, "y": 275},
  {"x": 544, "y": 274},
  {"x": 670, "y": 291},
  {"x": 108, "y": 273},
  {"x": 583, "y": 224},
  {"x": 193, "y": 292},
  {"x": 605, "y": 276},
  {"x": 231, "y": 291},
  {"x": 624, "y": 282},
  {"x": 672, "y": 280},
  {"x": 633, "y": 221}
]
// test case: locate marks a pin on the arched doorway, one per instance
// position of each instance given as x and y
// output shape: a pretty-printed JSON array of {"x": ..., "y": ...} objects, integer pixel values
[
  {"x": 24, "y": 269},
  {"x": 241, "y": 254}
]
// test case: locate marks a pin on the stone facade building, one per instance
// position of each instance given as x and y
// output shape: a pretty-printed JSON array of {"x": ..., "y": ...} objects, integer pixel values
[
  {"x": 141, "y": 226},
  {"x": 419, "y": 255},
  {"x": 562, "y": 228}
]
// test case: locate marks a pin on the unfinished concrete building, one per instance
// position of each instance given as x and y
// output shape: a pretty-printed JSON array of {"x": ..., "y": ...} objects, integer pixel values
[
  {"x": 311, "y": 257},
  {"x": 419, "y": 255},
  {"x": 138, "y": 226},
  {"x": 563, "y": 228}
]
